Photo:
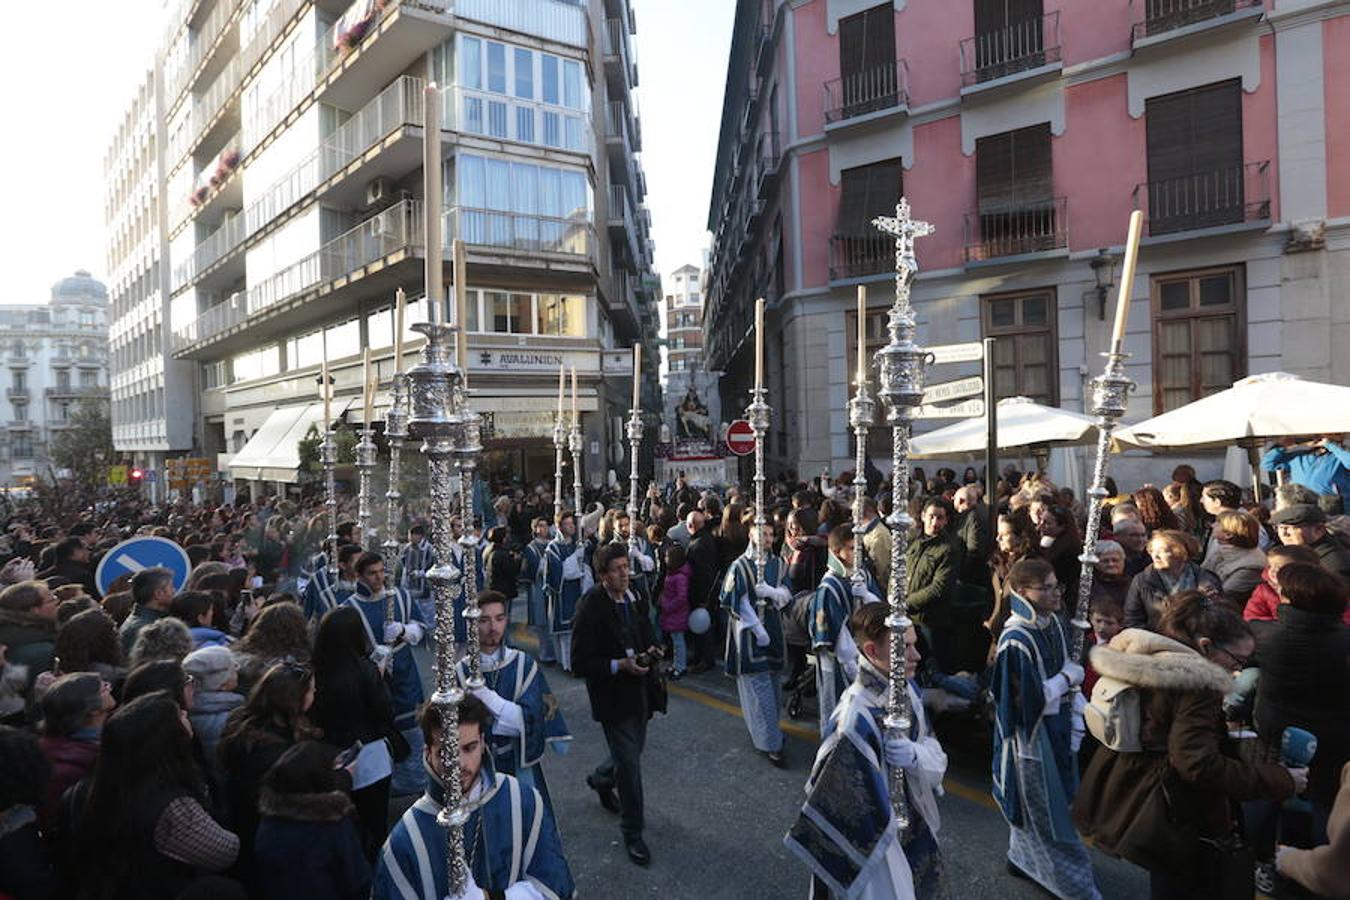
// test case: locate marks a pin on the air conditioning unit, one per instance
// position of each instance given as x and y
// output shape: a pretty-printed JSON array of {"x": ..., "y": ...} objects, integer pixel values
[{"x": 379, "y": 191}]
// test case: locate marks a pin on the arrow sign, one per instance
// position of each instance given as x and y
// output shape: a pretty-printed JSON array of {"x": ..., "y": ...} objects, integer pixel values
[
  {"x": 957, "y": 353},
  {"x": 954, "y": 390},
  {"x": 967, "y": 409},
  {"x": 131, "y": 556}
]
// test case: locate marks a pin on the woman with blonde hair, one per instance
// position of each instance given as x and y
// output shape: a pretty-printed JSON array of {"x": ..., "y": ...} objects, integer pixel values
[
  {"x": 1171, "y": 572},
  {"x": 1235, "y": 558}
]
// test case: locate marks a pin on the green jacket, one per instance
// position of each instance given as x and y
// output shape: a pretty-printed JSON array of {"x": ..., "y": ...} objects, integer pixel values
[
  {"x": 973, "y": 531},
  {"x": 934, "y": 564},
  {"x": 140, "y": 617}
]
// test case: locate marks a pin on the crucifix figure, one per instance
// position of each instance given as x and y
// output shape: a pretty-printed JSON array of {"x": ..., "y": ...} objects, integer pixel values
[{"x": 905, "y": 230}]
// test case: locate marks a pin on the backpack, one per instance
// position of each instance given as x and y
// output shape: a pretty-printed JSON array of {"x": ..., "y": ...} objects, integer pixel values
[{"x": 1112, "y": 715}]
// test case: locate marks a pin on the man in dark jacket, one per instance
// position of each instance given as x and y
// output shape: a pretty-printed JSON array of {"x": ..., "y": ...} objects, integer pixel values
[
  {"x": 972, "y": 529},
  {"x": 703, "y": 557},
  {"x": 71, "y": 562},
  {"x": 151, "y": 592},
  {"x": 1306, "y": 525},
  {"x": 28, "y": 627},
  {"x": 614, "y": 649},
  {"x": 934, "y": 563}
]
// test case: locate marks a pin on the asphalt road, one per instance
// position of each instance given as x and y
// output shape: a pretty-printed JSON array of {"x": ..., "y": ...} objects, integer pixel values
[{"x": 716, "y": 810}]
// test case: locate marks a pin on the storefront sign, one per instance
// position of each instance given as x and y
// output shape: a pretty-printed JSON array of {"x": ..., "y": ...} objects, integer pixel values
[{"x": 520, "y": 360}]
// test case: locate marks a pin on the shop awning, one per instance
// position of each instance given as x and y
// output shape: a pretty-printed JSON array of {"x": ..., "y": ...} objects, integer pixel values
[{"x": 273, "y": 453}]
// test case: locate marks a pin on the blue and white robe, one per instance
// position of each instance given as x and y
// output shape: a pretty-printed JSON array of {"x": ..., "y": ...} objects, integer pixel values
[
  {"x": 564, "y": 583},
  {"x": 510, "y": 838},
  {"x": 321, "y": 592},
  {"x": 754, "y": 667},
  {"x": 1035, "y": 770},
  {"x": 412, "y": 571},
  {"x": 846, "y": 833},
  {"x": 405, "y": 684},
  {"x": 836, "y": 653},
  {"x": 518, "y": 747},
  {"x": 536, "y": 607},
  {"x": 640, "y": 576}
]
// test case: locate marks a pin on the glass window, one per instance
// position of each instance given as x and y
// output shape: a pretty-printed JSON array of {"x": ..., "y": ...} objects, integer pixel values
[
  {"x": 496, "y": 68},
  {"x": 508, "y": 313},
  {"x": 524, "y": 61},
  {"x": 572, "y": 85},
  {"x": 548, "y": 70},
  {"x": 525, "y": 124},
  {"x": 1023, "y": 327},
  {"x": 496, "y": 119},
  {"x": 1198, "y": 342},
  {"x": 562, "y": 315}
]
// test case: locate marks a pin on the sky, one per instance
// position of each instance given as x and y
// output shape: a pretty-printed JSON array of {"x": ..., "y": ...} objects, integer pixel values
[{"x": 70, "y": 85}]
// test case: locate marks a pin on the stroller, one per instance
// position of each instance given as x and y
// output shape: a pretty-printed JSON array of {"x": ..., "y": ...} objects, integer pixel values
[{"x": 800, "y": 683}]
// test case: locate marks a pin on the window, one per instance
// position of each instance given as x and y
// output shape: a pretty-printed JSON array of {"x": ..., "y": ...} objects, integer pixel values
[
  {"x": 1198, "y": 334},
  {"x": 1195, "y": 171},
  {"x": 524, "y": 73},
  {"x": 501, "y": 94},
  {"x": 1023, "y": 326},
  {"x": 508, "y": 313},
  {"x": 1017, "y": 211},
  {"x": 20, "y": 412},
  {"x": 561, "y": 315},
  {"x": 63, "y": 412},
  {"x": 63, "y": 380},
  {"x": 522, "y": 205},
  {"x": 867, "y": 65},
  {"x": 20, "y": 380},
  {"x": 496, "y": 67},
  {"x": 88, "y": 378},
  {"x": 1008, "y": 37},
  {"x": 865, "y": 192},
  {"x": 22, "y": 445}
]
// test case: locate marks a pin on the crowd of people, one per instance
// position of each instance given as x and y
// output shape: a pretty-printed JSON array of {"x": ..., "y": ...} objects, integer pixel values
[{"x": 263, "y": 730}]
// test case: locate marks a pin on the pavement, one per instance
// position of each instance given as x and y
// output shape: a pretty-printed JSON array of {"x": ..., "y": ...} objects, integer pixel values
[{"x": 716, "y": 810}]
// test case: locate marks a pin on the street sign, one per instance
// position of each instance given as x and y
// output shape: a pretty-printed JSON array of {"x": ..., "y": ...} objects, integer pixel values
[
  {"x": 117, "y": 476},
  {"x": 954, "y": 390},
  {"x": 956, "y": 353},
  {"x": 151, "y": 476},
  {"x": 740, "y": 438},
  {"x": 966, "y": 409},
  {"x": 130, "y": 556}
]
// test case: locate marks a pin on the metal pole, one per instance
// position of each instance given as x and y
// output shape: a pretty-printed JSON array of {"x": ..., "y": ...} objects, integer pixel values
[
  {"x": 860, "y": 412},
  {"x": 396, "y": 430},
  {"x": 634, "y": 442},
  {"x": 574, "y": 442},
  {"x": 758, "y": 414},
  {"x": 328, "y": 455},
  {"x": 559, "y": 445},
  {"x": 991, "y": 440},
  {"x": 365, "y": 468},
  {"x": 901, "y": 387}
]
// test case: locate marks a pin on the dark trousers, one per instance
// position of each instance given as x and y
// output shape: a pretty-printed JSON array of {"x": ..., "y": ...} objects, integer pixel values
[
  {"x": 623, "y": 769},
  {"x": 372, "y": 814}
]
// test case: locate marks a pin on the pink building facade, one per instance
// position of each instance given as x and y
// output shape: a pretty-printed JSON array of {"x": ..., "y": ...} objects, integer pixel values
[{"x": 1027, "y": 131}]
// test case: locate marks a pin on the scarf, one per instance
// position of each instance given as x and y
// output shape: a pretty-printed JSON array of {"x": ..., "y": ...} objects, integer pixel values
[{"x": 1186, "y": 581}]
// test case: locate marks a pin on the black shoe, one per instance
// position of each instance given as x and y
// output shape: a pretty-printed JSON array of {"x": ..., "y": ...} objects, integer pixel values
[
  {"x": 637, "y": 850},
  {"x": 608, "y": 799},
  {"x": 777, "y": 758},
  {"x": 1015, "y": 872}
]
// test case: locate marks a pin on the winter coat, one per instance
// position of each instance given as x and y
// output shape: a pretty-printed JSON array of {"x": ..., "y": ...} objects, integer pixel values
[
  {"x": 30, "y": 641},
  {"x": 675, "y": 600},
  {"x": 933, "y": 566},
  {"x": 1238, "y": 570},
  {"x": 703, "y": 558},
  {"x": 71, "y": 760},
  {"x": 140, "y": 617},
  {"x": 1148, "y": 592},
  {"x": 807, "y": 563},
  {"x": 209, "y": 637},
  {"x": 210, "y": 710},
  {"x": 503, "y": 569},
  {"x": 972, "y": 528},
  {"x": 309, "y": 846},
  {"x": 1305, "y": 682},
  {"x": 1335, "y": 557},
  {"x": 1063, "y": 556},
  {"x": 1186, "y": 745},
  {"x": 1264, "y": 604},
  {"x": 244, "y": 760},
  {"x": 1325, "y": 870},
  {"x": 352, "y": 704},
  {"x": 25, "y": 871}
]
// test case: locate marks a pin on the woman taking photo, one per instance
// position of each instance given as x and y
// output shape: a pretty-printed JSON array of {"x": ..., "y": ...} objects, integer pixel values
[{"x": 1171, "y": 806}]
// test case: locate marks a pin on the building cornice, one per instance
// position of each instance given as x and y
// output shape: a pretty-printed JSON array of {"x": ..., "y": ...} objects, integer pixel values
[{"x": 1306, "y": 13}]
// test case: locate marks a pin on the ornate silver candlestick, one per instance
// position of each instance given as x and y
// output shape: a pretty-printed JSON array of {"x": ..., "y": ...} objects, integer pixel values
[
  {"x": 467, "y": 446},
  {"x": 328, "y": 456},
  {"x": 559, "y": 445},
  {"x": 634, "y": 442},
  {"x": 901, "y": 371},
  {"x": 432, "y": 383},
  {"x": 574, "y": 443},
  {"x": 758, "y": 415},
  {"x": 365, "y": 468},
  {"x": 860, "y": 412},
  {"x": 396, "y": 430}
]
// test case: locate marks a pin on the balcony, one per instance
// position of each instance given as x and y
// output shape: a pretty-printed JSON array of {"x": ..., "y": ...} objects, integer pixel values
[
  {"x": 75, "y": 392},
  {"x": 553, "y": 20},
  {"x": 1220, "y": 198},
  {"x": 768, "y": 162},
  {"x": 20, "y": 425},
  {"x": 201, "y": 46},
  {"x": 1015, "y": 50},
  {"x": 364, "y": 251},
  {"x": 620, "y": 138},
  {"x": 1169, "y": 18},
  {"x": 876, "y": 90},
  {"x": 17, "y": 393},
  {"x": 1033, "y": 226},
  {"x": 500, "y": 117},
  {"x": 564, "y": 239},
  {"x": 18, "y": 362},
  {"x": 620, "y": 64},
  {"x": 860, "y": 255},
  {"x": 370, "y": 44}
]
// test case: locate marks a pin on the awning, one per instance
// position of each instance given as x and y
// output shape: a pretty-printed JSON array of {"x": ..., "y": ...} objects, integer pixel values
[{"x": 273, "y": 453}]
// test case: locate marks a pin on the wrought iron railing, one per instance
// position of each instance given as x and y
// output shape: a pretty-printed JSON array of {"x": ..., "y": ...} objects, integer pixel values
[
  {"x": 1227, "y": 196},
  {"x": 1161, "y": 16},
  {"x": 871, "y": 90},
  {"x": 1029, "y": 226},
  {"x": 857, "y": 254},
  {"x": 1014, "y": 48}
]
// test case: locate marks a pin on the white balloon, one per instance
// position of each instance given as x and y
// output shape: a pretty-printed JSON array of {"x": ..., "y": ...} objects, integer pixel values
[{"x": 700, "y": 621}]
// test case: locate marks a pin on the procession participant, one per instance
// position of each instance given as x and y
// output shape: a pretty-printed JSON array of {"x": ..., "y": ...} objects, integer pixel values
[
  {"x": 460, "y": 588},
  {"x": 833, "y": 603},
  {"x": 511, "y": 842},
  {"x": 854, "y": 748},
  {"x": 565, "y": 578},
  {"x": 405, "y": 629},
  {"x": 755, "y": 646},
  {"x": 1037, "y": 730},
  {"x": 318, "y": 566},
  {"x": 525, "y": 715},
  {"x": 532, "y": 587},
  {"x": 642, "y": 561},
  {"x": 322, "y": 594},
  {"x": 418, "y": 556}
]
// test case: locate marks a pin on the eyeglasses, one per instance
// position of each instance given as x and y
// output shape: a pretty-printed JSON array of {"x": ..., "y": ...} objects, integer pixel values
[{"x": 1239, "y": 662}]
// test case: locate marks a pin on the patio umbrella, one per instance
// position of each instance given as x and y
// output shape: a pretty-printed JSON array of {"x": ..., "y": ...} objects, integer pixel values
[
  {"x": 1024, "y": 426},
  {"x": 1254, "y": 410}
]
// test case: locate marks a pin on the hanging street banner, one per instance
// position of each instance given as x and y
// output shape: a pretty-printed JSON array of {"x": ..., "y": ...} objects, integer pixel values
[
  {"x": 967, "y": 409},
  {"x": 953, "y": 390},
  {"x": 956, "y": 353}
]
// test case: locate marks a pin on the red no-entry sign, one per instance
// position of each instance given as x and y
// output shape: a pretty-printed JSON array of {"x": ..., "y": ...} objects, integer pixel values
[{"x": 740, "y": 438}]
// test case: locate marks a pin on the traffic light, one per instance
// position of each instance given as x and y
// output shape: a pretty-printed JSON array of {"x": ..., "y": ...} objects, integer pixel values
[{"x": 135, "y": 476}]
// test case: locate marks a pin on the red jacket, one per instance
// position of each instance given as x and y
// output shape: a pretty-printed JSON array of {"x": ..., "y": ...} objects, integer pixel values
[
  {"x": 71, "y": 760},
  {"x": 1264, "y": 603}
]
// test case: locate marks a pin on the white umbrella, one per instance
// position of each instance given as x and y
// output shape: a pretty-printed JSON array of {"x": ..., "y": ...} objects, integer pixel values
[
  {"x": 1023, "y": 426},
  {"x": 1254, "y": 409}
]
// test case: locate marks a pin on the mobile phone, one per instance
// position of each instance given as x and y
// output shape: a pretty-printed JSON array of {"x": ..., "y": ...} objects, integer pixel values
[
  {"x": 246, "y": 596},
  {"x": 56, "y": 666},
  {"x": 345, "y": 758}
]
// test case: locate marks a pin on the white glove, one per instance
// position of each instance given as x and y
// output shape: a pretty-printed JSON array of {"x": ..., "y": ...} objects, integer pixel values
[
  {"x": 491, "y": 699},
  {"x": 392, "y": 631},
  {"x": 382, "y": 656},
  {"x": 901, "y": 753},
  {"x": 761, "y": 635},
  {"x": 1055, "y": 688},
  {"x": 647, "y": 563},
  {"x": 471, "y": 890},
  {"x": 412, "y": 633},
  {"x": 1073, "y": 671},
  {"x": 859, "y": 591},
  {"x": 1078, "y": 726}
]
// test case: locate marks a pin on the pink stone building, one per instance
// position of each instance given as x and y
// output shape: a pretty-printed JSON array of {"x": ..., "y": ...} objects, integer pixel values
[{"x": 1027, "y": 131}]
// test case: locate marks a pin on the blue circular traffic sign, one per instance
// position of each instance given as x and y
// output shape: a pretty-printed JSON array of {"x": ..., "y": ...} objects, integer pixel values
[{"x": 135, "y": 554}]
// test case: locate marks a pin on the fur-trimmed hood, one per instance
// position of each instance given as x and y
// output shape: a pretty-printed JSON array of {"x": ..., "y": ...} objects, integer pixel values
[
  {"x": 1148, "y": 660},
  {"x": 331, "y": 806}
]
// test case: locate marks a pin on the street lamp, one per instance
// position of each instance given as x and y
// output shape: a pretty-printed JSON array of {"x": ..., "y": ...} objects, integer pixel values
[{"x": 1103, "y": 268}]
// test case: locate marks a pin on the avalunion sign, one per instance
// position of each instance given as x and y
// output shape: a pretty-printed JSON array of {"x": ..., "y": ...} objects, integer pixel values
[{"x": 515, "y": 359}]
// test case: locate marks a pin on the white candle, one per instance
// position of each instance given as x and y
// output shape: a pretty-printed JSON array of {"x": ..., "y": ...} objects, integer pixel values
[
  {"x": 637, "y": 373},
  {"x": 562, "y": 386},
  {"x": 574, "y": 395},
  {"x": 433, "y": 201},
  {"x": 399, "y": 303},
  {"x": 862, "y": 334},
  {"x": 462, "y": 307},
  {"x": 759, "y": 343},
  {"x": 1127, "y": 278},
  {"x": 366, "y": 388}
]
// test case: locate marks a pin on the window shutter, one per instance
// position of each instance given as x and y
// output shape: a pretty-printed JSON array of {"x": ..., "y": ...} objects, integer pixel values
[
  {"x": 993, "y": 172},
  {"x": 852, "y": 200},
  {"x": 852, "y": 44},
  {"x": 880, "y": 40},
  {"x": 885, "y": 186},
  {"x": 1032, "y": 171}
]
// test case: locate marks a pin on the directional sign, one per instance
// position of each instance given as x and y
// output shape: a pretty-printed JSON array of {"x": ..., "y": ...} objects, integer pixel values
[
  {"x": 953, "y": 390},
  {"x": 130, "y": 556},
  {"x": 966, "y": 409},
  {"x": 117, "y": 476},
  {"x": 741, "y": 438},
  {"x": 956, "y": 353}
]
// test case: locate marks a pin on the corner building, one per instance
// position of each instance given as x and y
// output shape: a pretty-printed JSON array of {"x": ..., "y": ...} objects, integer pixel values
[
  {"x": 1027, "y": 131},
  {"x": 289, "y": 180}
]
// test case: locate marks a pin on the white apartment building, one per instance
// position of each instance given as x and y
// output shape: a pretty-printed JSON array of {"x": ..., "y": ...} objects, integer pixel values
[
  {"x": 56, "y": 354},
  {"x": 286, "y": 146},
  {"x": 685, "y": 366}
]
